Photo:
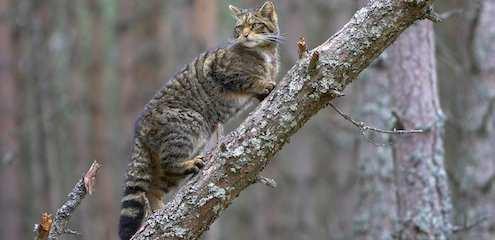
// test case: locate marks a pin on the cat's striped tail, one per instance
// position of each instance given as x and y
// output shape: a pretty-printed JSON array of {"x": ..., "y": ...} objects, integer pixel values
[{"x": 136, "y": 185}]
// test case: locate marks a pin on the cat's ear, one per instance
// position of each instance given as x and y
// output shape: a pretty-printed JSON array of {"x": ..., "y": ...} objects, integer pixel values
[
  {"x": 267, "y": 10},
  {"x": 236, "y": 12}
]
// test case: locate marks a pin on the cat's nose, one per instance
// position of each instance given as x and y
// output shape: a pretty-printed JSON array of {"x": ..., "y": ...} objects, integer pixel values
[{"x": 245, "y": 32}]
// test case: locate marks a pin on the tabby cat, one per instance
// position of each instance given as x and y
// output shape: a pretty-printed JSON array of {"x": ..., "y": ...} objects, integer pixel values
[{"x": 175, "y": 125}]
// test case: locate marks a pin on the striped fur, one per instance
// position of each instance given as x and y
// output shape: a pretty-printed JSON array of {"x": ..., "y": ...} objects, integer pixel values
[{"x": 180, "y": 118}]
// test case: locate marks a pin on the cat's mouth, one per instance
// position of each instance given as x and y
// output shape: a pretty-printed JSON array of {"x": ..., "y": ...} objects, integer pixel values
[
  {"x": 249, "y": 42},
  {"x": 260, "y": 40}
]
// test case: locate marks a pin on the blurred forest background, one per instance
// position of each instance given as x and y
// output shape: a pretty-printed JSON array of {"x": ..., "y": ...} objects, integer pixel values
[{"x": 75, "y": 74}]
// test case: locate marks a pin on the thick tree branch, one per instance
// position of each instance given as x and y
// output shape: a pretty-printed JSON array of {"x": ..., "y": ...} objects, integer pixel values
[{"x": 241, "y": 155}]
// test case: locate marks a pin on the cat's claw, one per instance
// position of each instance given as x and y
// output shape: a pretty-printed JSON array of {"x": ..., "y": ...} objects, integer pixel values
[
  {"x": 267, "y": 89},
  {"x": 199, "y": 161},
  {"x": 194, "y": 165}
]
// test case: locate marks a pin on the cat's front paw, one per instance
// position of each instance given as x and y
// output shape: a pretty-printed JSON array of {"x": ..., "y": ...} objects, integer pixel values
[
  {"x": 265, "y": 89},
  {"x": 194, "y": 165}
]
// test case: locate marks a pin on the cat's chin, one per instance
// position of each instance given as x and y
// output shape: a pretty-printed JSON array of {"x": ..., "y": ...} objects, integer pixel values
[
  {"x": 256, "y": 44},
  {"x": 250, "y": 44}
]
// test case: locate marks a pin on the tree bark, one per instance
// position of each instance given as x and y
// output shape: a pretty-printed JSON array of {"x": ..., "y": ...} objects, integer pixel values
[
  {"x": 241, "y": 155},
  {"x": 376, "y": 213},
  {"x": 424, "y": 205}
]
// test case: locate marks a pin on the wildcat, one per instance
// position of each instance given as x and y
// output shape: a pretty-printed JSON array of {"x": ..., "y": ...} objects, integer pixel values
[{"x": 172, "y": 130}]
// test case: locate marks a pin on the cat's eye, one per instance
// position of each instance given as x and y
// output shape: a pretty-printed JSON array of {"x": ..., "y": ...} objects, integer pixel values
[
  {"x": 237, "y": 28},
  {"x": 258, "y": 26}
]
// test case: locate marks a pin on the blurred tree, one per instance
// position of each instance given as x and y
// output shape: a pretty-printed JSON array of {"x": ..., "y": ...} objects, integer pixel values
[
  {"x": 473, "y": 138},
  {"x": 102, "y": 95},
  {"x": 29, "y": 36},
  {"x": 10, "y": 166},
  {"x": 205, "y": 23},
  {"x": 376, "y": 211},
  {"x": 423, "y": 198}
]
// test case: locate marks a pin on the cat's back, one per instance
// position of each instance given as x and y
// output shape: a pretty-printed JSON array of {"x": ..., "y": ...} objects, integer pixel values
[{"x": 195, "y": 82}]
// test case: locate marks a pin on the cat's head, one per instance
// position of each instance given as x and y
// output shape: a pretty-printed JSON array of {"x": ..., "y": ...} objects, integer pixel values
[{"x": 256, "y": 28}]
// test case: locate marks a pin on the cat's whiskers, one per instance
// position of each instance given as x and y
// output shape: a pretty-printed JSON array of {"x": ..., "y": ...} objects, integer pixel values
[{"x": 276, "y": 38}]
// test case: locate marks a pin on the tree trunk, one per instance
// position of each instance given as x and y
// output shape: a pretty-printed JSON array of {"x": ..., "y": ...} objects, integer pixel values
[
  {"x": 422, "y": 193},
  {"x": 376, "y": 213},
  {"x": 100, "y": 75},
  {"x": 473, "y": 150},
  {"x": 29, "y": 37},
  {"x": 10, "y": 166},
  {"x": 205, "y": 22}
]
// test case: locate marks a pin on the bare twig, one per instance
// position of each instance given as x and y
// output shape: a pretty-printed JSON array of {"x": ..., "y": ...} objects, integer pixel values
[
  {"x": 302, "y": 48},
  {"x": 363, "y": 127},
  {"x": 337, "y": 93},
  {"x": 267, "y": 181},
  {"x": 64, "y": 213},
  {"x": 433, "y": 16},
  {"x": 90, "y": 177},
  {"x": 437, "y": 17},
  {"x": 313, "y": 63},
  {"x": 42, "y": 229}
]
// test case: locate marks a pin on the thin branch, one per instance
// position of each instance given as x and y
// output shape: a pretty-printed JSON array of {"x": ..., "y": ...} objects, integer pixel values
[
  {"x": 302, "y": 48},
  {"x": 90, "y": 177},
  {"x": 42, "y": 229},
  {"x": 363, "y": 127},
  {"x": 432, "y": 15},
  {"x": 64, "y": 213},
  {"x": 313, "y": 64},
  {"x": 440, "y": 17},
  {"x": 266, "y": 181}
]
